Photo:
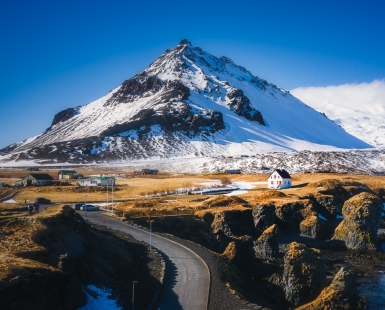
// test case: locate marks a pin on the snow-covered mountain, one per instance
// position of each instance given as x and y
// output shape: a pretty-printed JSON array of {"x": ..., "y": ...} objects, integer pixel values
[
  {"x": 186, "y": 103},
  {"x": 357, "y": 108}
]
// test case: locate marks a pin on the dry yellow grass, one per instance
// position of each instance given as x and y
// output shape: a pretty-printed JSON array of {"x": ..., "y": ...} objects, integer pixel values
[{"x": 134, "y": 187}]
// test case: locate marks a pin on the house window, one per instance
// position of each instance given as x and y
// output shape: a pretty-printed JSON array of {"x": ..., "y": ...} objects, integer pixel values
[{"x": 272, "y": 182}]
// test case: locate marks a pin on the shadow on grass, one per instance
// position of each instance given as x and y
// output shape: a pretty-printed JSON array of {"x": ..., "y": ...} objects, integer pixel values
[{"x": 300, "y": 185}]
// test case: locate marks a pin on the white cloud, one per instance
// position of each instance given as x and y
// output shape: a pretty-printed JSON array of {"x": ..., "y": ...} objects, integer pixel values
[{"x": 358, "y": 108}]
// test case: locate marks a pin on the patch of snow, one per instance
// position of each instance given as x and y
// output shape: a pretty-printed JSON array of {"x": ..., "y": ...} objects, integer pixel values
[
  {"x": 321, "y": 217},
  {"x": 9, "y": 201},
  {"x": 236, "y": 192},
  {"x": 96, "y": 150},
  {"x": 101, "y": 301}
]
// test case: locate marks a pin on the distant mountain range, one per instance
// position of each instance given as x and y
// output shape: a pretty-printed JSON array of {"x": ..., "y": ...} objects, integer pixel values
[
  {"x": 187, "y": 103},
  {"x": 357, "y": 108}
]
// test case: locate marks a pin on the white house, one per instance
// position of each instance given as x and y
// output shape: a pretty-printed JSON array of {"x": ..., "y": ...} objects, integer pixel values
[
  {"x": 279, "y": 179},
  {"x": 97, "y": 181}
]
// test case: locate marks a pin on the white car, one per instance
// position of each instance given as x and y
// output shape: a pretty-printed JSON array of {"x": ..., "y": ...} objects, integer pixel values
[{"x": 89, "y": 208}]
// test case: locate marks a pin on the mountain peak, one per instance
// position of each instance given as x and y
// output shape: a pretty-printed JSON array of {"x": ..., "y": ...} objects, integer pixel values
[
  {"x": 184, "y": 42},
  {"x": 186, "y": 103}
]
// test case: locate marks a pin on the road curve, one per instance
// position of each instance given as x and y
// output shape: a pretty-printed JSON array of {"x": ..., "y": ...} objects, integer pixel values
[{"x": 187, "y": 279}]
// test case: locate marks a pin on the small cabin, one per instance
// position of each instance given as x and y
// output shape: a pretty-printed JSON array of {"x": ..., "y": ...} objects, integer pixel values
[
  {"x": 146, "y": 171},
  {"x": 66, "y": 174},
  {"x": 233, "y": 171},
  {"x": 37, "y": 179},
  {"x": 97, "y": 181},
  {"x": 279, "y": 179}
]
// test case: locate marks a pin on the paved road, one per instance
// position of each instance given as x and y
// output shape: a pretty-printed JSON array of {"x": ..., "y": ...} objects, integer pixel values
[{"x": 187, "y": 280}]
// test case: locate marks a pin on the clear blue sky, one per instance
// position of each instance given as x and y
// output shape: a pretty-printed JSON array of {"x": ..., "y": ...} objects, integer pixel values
[{"x": 60, "y": 54}]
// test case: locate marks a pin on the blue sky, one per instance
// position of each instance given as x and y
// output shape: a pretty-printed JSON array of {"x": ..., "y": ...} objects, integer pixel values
[{"x": 60, "y": 54}]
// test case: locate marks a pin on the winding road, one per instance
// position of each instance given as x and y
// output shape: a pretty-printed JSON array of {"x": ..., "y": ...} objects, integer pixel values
[{"x": 187, "y": 279}]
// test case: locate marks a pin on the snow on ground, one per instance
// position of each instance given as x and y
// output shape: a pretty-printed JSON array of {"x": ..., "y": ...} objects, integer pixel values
[
  {"x": 321, "y": 217},
  {"x": 101, "y": 301},
  {"x": 237, "y": 192},
  {"x": 10, "y": 201}
]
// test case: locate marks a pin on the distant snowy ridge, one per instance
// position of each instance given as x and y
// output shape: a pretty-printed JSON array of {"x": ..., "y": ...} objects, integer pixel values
[
  {"x": 358, "y": 108},
  {"x": 186, "y": 103}
]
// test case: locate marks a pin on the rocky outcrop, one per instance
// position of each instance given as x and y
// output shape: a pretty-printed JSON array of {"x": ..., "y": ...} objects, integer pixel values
[
  {"x": 341, "y": 294},
  {"x": 266, "y": 246},
  {"x": 304, "y": 273},
  {"x": 64, "y": 115},
  {"x": 240, "y": 252},
  {"x": 172, "y": 117},
  {"x": 233, "y": 223},
  {"x": 326, "y": 206},
  {"x": 264, "y": 217},
  {"x": 290, "y": 214},
  {"x": 241, "y": 105},
  {"x": 313, "y": 227},
  {"x": 362, "y": 219}
]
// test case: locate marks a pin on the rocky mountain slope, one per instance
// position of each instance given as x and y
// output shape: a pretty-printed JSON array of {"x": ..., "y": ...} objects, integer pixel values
[{"x": 186, "y": 103}]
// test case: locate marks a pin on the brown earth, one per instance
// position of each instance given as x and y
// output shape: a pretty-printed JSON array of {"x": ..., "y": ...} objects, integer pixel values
[{"x": 49, "y": 256}]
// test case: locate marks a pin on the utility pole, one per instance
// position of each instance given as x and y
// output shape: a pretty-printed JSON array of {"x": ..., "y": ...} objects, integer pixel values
[
  {"x": 133, "y": 294},
  {"x": 151, "y": 235},
  {"x": 85, "y": 208},
  {"x": 107, "y": 196},
  {"x": 113, "y": 182}
]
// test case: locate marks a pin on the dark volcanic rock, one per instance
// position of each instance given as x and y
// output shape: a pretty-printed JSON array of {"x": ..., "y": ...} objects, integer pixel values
[
  {"x": 304, "y": 273},
  {"x": 139, "y": 85},
  {"x": 341, "y": 294},
  {"x": 313, "y": 227},
  {"x": 64, "y": 115},
  {"x": 240, "y": 252},
  {"x": 325, "y": 205},
  {"x": 290, "y": 214},
  {"x": 233, "y": 223},
  {"x": 267, "y": 245},
  {"x": 241, "y": 105},
  {"x": 362, "y": 219},
  {"x": 264, "y": 217}
]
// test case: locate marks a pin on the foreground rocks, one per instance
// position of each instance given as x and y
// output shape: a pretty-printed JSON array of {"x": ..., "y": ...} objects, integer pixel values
[
  {"x": 313, "y": 227},
  {"x": 341, "y": 294},
  {"x": 267, "y": 246},
  {"x": 362, "y": 219},
  {"x": 304, "y": 273},
  {"x": 47, "y": 259}
]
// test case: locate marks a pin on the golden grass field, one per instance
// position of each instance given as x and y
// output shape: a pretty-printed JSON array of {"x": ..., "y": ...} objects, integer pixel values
[{"x": 133, "y": 188}]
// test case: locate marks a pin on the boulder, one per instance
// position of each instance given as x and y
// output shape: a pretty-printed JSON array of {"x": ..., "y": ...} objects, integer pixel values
[
  {"x": 264, "y": 217},
  {"x": 313, "y": 227},
  {"x": 240, "y": 252},
  {"x": 290, "y": 214},
  {"x": 326, "y": 206},
  {"x": 233, "y": 223},
  {"x": 266, "y": 246},
  {"x": 304, "y": 273},
  {"x": 341, "y": 294},
  {"x": 362, "y": 219}
]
